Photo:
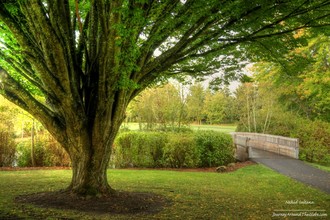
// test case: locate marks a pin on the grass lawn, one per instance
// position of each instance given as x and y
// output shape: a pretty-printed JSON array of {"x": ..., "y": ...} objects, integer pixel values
[
  {"x": 253, "y": 192},
  {"x": 220, "y": 128},
  {"x": 321, "y": 167}
]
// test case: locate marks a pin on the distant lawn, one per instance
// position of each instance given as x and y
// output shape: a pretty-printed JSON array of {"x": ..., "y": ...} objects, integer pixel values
[
  {"x": 220, "y": 128},
  {"x": 253, "y": 192},
  {"x": 131, "y": 126}
]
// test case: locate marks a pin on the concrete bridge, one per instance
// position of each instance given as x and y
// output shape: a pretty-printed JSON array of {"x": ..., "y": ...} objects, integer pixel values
[
  {"x": 280, "y": 154},
  {"x": 255, "y": 145}
]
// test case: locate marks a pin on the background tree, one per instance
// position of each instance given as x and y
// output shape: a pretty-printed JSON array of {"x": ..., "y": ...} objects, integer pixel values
[
  {"x": 257, "y": 106},
  {"x": 90, "y": 59},
  {"x": 231, "y": 114},
  {"x": 167, "y": 105},
  {"x": 7, "y": 134},
  {"x": 161, "y": 106},
  {"x": 214, "y": 107},
  {"x": 140, "y": 110},
  {"x": 244, "y": 96},
  {"x": 195, "y": 103},
  {"x": 302, "y": 81}
]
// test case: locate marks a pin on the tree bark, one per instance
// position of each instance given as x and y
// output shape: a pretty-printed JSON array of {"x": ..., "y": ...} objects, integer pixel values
[
  {"x": 89, "y": 174},
  {"x": 89, "y": 144},
  {"x": 90, "y": 159}
]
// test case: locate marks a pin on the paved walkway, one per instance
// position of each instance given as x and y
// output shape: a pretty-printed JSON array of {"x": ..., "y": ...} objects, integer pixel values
[{"x": 293, "y": 168}]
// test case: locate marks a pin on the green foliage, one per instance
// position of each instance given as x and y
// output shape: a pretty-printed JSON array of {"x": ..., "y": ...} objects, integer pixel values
[
  {"x": 47, "y": 152},
  {"x": 215, "y": 149},
  {"x": 302, "y": 80},
  {"x": 180, "y": 151},
  {"x": 7, "y": 149},
  {"x": 158, "y": 108},
  {"x": 176, "y": 150},
  {"x": 24, "y": 154},
  {"x": 195, "y": 103},
  {"x": 16, "y": 130},
  {"x": 314, "y": 141},
  {"x": 214, "y": 107},
  {"x": 139, "y": 149},
  {"x": 175, "y": 129},
  {"x": 290, "y": 97},
  {"x": 174, "y": 105},
  {"x": 7, "y": 135}
]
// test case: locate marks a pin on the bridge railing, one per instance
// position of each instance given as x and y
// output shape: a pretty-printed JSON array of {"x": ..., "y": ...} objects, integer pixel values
[{"x": 277, "y": 144}]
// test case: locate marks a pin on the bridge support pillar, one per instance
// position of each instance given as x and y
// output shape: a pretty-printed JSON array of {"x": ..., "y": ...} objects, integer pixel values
[{"x": 242, "y": 153}]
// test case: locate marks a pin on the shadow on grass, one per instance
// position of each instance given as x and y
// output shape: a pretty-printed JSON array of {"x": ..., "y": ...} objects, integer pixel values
[
  {"x": 7, "y": 216},
  {"x": 120, "y": 203}
]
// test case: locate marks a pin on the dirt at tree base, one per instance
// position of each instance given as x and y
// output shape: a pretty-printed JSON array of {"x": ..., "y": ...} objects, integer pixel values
[{"x": 119, "y": 203}]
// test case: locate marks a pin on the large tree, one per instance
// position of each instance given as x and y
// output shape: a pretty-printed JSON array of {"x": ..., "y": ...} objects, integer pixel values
[{"x": 89, "y": 59}]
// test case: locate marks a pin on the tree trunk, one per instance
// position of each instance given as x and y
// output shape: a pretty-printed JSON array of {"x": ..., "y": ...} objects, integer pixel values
[
  {"x": 89, "y": 168},
  {"x": 90, "y": 149},
  {"x": 89, "y": 175}
]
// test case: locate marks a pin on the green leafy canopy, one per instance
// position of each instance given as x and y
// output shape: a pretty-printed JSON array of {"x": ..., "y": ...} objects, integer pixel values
[{"x": 77, "y": 52}]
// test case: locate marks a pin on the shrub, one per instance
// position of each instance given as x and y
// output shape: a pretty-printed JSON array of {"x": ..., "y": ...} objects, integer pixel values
[
  {"x": 7, "y": 149},
  {"x": 24, "y": 154},
  {"x": 314, "y": 137},
  {"x": 7, "y": 137},
  {"x": 176, "y": 150},
  {"x": 215, "y": 148},
  {"x": 314, "y": 141},
  {"x": 47, "y": 152},
  {"x": 55, "y": 155},
  {"x": 139, "y": 149},
  {"x": 180, "y": 151}
]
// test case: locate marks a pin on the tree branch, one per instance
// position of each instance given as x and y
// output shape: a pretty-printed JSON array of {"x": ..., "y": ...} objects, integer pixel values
[{"x": 20, "y": 96}]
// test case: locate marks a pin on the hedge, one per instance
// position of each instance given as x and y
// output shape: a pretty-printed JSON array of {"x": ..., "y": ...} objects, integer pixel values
[
  {"x": 139, "y": 149},
  {"x": 215, "y": 148},
  {"x": 168, "y": 149}
]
